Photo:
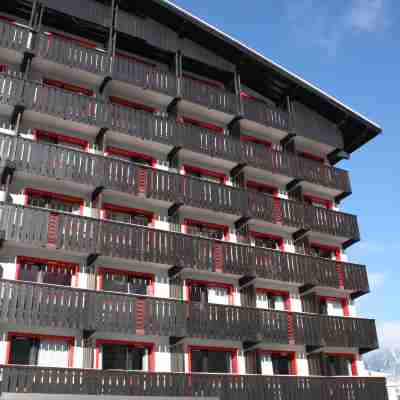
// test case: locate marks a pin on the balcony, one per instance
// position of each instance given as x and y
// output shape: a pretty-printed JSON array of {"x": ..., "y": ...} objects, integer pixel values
[
  {"x": 123, "y": 176},
  {"x": 258, "y": 116},
  {"x": 21, "y": 379},
  {"x": 39, "y": 305},
  {"x": 327, "y": 331},
  {"x": 14, "y": 41},
  {"x": 92, "y": 114},
  {"x": 72, "y": 233},
  {"x": 211, "y": 98},
  {"x": 71, "y": 59},
  {"x": 134, "y": 79}
]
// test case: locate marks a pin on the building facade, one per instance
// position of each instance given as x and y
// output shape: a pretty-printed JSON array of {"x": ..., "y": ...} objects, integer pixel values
[{"x": 169, "y": 217}]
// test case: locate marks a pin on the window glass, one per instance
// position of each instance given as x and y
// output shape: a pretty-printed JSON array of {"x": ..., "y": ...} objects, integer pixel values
[
  {"x": 23, "y": 351},
  {"x": 208, "y": 178},
  {"x": 136, "y": 219},
  {"x": 123, "y": 357},
  {"x": 205, "y": 231},
  {"x": 119, "y": 282},
  {"x": 211, "y": 361},
  {"x": 280, "y": 364},
  {"x": 43, "y": 273},
  {"x": 267, "y": 243},
  {"x": 338, "y": 366},
  {"x": 52, "y": 203},
  {"x": 323, "y": 253}
]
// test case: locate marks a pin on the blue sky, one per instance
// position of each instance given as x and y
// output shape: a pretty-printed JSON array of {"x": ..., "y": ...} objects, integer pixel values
[{"x": 351, "y": 49}]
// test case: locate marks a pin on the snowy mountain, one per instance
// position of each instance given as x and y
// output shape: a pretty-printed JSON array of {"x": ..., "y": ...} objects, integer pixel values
[{"x": 385, "y": 360}]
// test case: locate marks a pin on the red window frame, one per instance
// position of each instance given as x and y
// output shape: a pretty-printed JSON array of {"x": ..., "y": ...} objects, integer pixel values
[
  {"x": 68, "y": 339},
  {"x": 254, "y": 139},
  {"x": 188, "y": 221},
  {"x": 52, "y": 263},
  {"x": 285, "y": 295},
  {"x": 148, "y": 345},
  {"x": 292, "y": 354},
  {"x": 343, "y": 301},
  {"x": 3, "y": 68},
  {"x": 204, "y": 81},
  {"x": 333, "y": 249},
  {"x": 319, "y": 200},
  {"x": 135, "y": 59},
  {"x": 311, "y": 156},
  {"x": 280, "y": 239},
  {"x": 37, "y": 134},
  {"x": 201, "y": 124},
  {"x": 69, "y": 87},
  {"x": 131, "y": 104},
  {"x": 257, "y": 185},
  {"x": 234, "y": 355},
  {"x": 118, "y": 151},
  {"x": 82, "y": 42},
  {"x": 198, "y": 170},
  {"x": 56, "y": 196},
  {"x": 103, "y": 270},
  {"x": 208, "y": 284}
]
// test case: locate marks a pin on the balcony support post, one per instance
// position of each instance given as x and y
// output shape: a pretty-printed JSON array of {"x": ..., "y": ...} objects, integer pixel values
[
  {"x": 300, "y": 234},
  {"x": 16, "y": 117},
  {"x": 174, "y": 271},
  {"x": 7, "y": 169},
  {"x": 338, "y": 155},
  {"x": 107, "y": 79},
  {"x": 173, "y": 210},
  {"x": 241, "y": 222},
  {"x": 288, "y": 143},
  {"x": 100, "y": 139},
  {"x": 173, "y": 154},
  {"x": 293, "y": 185},
  {"x": 26, "y": 63},
  {"x": 246, "y": 281}
]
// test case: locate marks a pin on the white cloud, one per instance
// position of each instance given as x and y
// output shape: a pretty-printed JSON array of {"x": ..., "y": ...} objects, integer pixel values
[
  {"x": 389, "y": 334},
  {"x": 366, "y": 15},
  {"x": 376, "y": 280},
  {"x": 328, "y": 24}
]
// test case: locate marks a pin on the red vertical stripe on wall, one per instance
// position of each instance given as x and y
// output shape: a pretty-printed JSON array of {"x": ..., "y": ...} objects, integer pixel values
[
  {"x": 277, "y": 211},
  {"x": 235, "y": 369},
  {"x": 293, "y": 365},
  {"x": 142, "y": 180},
  {"x": 346, "y": 308},
  {"x": 290, "y": 328},
  {"x": 218, "y": 257},
  {"x": 340, "y": 272},
  {"x": 140, "y": 316},
  {"x": 354, "y": 369},
  {"x": 52, "y": 229}
]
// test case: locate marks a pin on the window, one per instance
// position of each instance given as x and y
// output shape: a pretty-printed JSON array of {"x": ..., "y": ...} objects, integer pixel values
[
  {"x": 322, "y": 251},
  {"x": 331, "y": 306},
  {"x": 338, "y": 366},
  {"x": 55, "y": 138},
  {"x": 128, "y": 218},
  {"x": 271, "y": 300},
  {"x": 52, "y": 273},
  {"x": 267, "y": 241},
  {"x": 211, "y": 361},
  {"x": 123, "y": 357},
  {"x": 281, "y": 364},
  {"x": 211, "y": 231},
  {"x": 130, "y": 156},
  {"x": 68, "y": 87},
  {"x": 53, "y": 201},
  {"x": 209, "y": 176},
  {"x": 262, "y": 188},
  {"x": 318, "y": 202},
  {"x": 41, "y": 351},
  {"x": 274, "y": 363},
  {"x": 119, "y": 281},
  {"x": 131, "y": 104},
  {"x": 211, "y": 293}
]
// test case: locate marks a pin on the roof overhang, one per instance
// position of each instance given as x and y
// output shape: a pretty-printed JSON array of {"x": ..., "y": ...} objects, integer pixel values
[{"x": 260, "y": 73}]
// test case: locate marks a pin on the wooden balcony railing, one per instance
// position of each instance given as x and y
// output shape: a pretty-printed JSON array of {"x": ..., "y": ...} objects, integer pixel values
[
  {"x": 260, "y": 112},
  {"x": 327, "y": 331},
  {"x": 86, "y": 235},
  {"x": 72, "y": 54},
  {"x": 15, "y": 37},
  {"x": 209, "y": 96},
  {"x": 22, "y": 379},
  {"x": 59, "y": 162},
  {"x": 128, "y": 70},
  {"x": 102, "y": 114},
  {"x": 39, "y": 305}
]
